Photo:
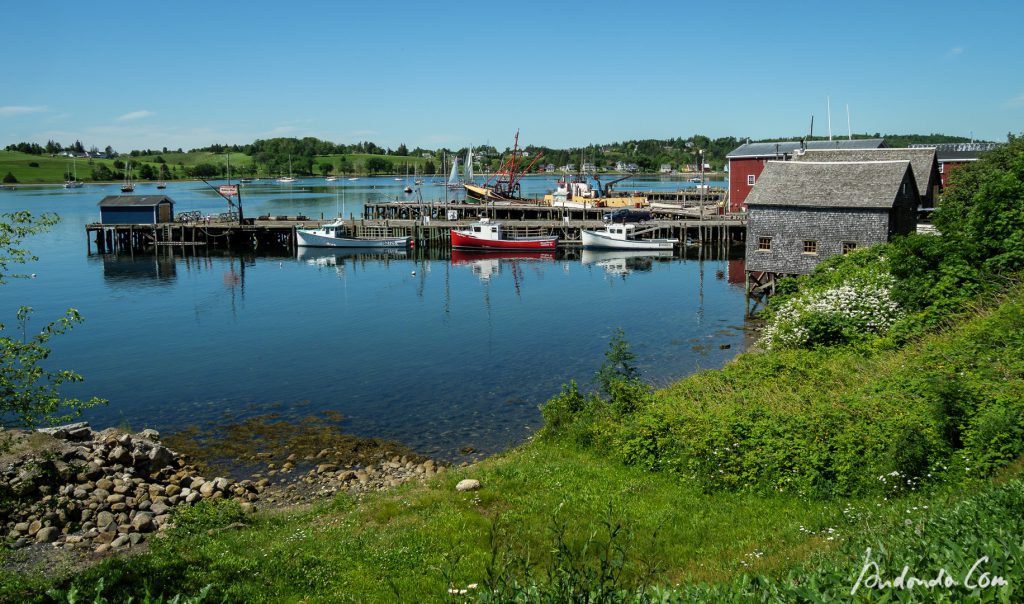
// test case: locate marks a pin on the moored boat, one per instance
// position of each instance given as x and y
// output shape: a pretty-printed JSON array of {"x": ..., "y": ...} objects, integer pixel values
[
  {"x": 487, "y": 235},
  {"x": 334, "y": 234},
  {"x": 623, "y": 237}
]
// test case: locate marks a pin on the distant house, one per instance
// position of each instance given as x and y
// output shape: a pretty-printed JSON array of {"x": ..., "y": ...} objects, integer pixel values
[
  {"x": 136, "y": 209},
  {"x": 665, "y": 169},
  {"x": 748, "y": 160},
  {"x": 922, "y": 161},
  {"x": 801, "y": 213},
  {"x": 589, "y": 168},
  {"x": 953, "y": 155}
]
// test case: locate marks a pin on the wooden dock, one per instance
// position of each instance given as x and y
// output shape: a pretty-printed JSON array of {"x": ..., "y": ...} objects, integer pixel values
[{"x": 429, "y": 224}]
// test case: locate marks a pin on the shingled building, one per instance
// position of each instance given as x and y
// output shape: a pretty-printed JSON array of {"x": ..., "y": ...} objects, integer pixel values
[{"x": 802, "y": 212}]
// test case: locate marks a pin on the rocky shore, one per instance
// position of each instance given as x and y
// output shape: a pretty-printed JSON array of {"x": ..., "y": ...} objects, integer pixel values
[{"x": 71, "y": 487}]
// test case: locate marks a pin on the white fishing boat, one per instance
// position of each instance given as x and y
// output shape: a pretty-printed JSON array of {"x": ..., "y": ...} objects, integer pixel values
[
  {"x": 623, "y": 237},
  {"x": 335, "y": 234}
]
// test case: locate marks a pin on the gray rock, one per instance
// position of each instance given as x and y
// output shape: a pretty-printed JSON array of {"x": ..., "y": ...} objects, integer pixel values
[
  {"x": 143, "y": 522},
  {"x": 469, "y": 484},
  {"x": 159, "y": 507},
  {"x": 150, "y": 435},
  {"x": 120, "y": 541},
  {"x": 104, "y": 519},
  {"x": 208, "y": 489},
  {"x": 160, "y": 456},
  {"x": 47, "y": 534}
]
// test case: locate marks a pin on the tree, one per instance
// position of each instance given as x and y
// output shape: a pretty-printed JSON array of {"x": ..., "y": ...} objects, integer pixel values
[
  {"x": 9, "y": 178},
  {"x": 29, "y": 394},
  {"x": 402, "y": 150},
  {"x": 982, "y": 211},
  {"x": 325, "y": 168},
  {"x": 377, "y": 164}
]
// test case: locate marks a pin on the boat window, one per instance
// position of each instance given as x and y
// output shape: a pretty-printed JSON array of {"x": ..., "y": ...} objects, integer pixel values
[
  {"x": 494, "y": 229},
  {"x": 476, "y": 229}
]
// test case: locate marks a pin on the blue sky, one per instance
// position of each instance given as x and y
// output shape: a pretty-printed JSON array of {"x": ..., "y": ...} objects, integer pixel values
[{"x": 188, "y": 74}]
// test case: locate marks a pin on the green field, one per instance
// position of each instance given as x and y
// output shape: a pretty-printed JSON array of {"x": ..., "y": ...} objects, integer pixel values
[{"x": 52, "y": 170}]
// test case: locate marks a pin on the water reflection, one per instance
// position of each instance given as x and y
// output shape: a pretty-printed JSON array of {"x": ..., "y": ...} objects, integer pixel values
[
  {"x": 130, "y": 270},
  {"x": 488, "y": 264},
  {"x": 622, "y": 262}
]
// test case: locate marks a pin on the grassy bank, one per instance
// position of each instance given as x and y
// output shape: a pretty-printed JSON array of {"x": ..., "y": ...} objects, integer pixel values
[{"x": 553, "y": 509}]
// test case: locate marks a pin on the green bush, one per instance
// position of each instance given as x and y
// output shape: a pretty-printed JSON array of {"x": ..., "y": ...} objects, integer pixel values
[
  {"x": 10, "y": 179},
  {"x": 206, "y": 515}
]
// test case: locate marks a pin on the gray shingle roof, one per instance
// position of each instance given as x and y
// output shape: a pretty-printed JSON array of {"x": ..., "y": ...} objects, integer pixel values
[
  {"x": 771, "y": 149},
  {"x": 134, "y": 200},
  {"x": 870, "y": 184},
  {"x": 922, "y": 160},
  {"x": 959, "y": 151}
]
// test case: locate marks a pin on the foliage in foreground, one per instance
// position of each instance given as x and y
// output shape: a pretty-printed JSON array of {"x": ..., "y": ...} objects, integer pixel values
[
  {"x": 29, "y": 394},
  {"x": 972, "y": 547}
]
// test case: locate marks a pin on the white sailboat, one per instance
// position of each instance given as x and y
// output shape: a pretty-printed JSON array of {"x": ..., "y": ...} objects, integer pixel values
[
  {"x": 468, "y": 169},
  {"x": 128, "y": 185},
  {"x": 454, "y": 182},
  {"x": 72, "y": 182},
  {"x": 289, "y": 178}
]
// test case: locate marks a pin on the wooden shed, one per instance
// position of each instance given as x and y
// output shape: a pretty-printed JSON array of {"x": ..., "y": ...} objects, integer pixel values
[
  {"x": 802, "y": 212},
  {"x": 136, "y": 209}
]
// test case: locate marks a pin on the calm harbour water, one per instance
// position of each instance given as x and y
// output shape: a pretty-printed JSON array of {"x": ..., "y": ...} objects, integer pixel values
[{"x": 440, "y": 353}]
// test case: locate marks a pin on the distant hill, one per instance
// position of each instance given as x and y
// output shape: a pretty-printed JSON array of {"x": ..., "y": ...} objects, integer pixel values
[{"x": 30, "y": 163}]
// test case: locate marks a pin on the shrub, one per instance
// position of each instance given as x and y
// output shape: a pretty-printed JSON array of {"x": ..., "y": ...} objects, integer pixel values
[
  {"x": 9, "y": 178},
  {"x": 848, "y": 313}
]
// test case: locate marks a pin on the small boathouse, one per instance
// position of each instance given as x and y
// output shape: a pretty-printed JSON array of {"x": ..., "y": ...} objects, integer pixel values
[{"x": 136, "y": 209}]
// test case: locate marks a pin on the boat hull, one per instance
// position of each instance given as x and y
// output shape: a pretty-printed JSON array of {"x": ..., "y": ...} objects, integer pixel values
[
  {"x": 307, "y": 239},
  {"x": 466, "y": 241},
  {"x": 597, "y": 240}
]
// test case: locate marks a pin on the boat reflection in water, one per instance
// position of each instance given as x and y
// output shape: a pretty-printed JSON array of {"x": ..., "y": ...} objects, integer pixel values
[
  {"x": 487, "y": 264},
  {"x": 338, "y": 258},
  {"x": 623, "y": 262}
]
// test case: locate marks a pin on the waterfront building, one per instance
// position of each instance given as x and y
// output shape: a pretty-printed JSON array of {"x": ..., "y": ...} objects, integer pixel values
[
  {"x": 136, "y": 209},
  {"x": 746, "y": 162},
  {"x": 802, "y": 212},
  {"x": 953, "y": 155}
]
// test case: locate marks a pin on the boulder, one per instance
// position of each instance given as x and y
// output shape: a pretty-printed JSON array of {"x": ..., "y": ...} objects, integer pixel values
[
  {"x": 47, "y": 534},
  {"x": 469, "y": 484}
]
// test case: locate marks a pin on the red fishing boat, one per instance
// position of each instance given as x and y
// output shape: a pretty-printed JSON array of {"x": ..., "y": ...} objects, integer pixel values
[{"x": 487, "y": 235}]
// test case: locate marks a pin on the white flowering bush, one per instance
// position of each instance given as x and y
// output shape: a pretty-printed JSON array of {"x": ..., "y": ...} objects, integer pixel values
[{"x": 850, "y": 312}]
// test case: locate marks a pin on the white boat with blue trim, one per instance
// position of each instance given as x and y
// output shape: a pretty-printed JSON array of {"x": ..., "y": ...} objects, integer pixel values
[{"x": 335, "y": 234}]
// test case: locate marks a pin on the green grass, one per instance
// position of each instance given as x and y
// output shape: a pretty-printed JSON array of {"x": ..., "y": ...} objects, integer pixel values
[{"x": 418, "y": 541}]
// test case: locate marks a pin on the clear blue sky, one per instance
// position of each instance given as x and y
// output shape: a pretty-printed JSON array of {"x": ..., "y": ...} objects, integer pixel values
[{"x": 430, "y": 74}]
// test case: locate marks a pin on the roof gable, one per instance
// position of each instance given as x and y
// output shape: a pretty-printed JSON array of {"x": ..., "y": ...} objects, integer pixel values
[
  {"x": 922, "y": 160},
  {"x": 865, "y": 184}
]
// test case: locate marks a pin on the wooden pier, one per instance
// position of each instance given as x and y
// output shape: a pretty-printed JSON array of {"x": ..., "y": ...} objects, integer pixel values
[{"x": 429, "y": 224}]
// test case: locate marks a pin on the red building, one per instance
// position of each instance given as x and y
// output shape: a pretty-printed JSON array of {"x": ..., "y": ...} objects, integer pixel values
[
  {"x": 747, "y": 161},
  {"x": 953, "y": 155}
]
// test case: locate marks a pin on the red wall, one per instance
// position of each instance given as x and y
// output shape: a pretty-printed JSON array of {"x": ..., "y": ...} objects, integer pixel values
[
  {"x": 739, "y": 169},
  {"x": 945, "y": 168}
]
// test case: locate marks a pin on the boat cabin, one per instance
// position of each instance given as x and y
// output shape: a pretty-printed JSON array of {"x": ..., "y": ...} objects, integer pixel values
[{"x": 485, "y": 229}]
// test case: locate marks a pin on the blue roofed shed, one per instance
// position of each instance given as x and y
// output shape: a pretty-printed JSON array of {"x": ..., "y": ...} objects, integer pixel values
[{"x": 136, "y": 209}]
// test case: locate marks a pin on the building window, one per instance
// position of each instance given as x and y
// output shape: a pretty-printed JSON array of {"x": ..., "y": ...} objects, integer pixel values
[
  {"x": 849, "y": 246},
  {"x": 750, "y": 179},
  {"x": 764, "y": 244},
  {"x": 942, "y": 168},
  {"x": 810, "y": 246}
]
